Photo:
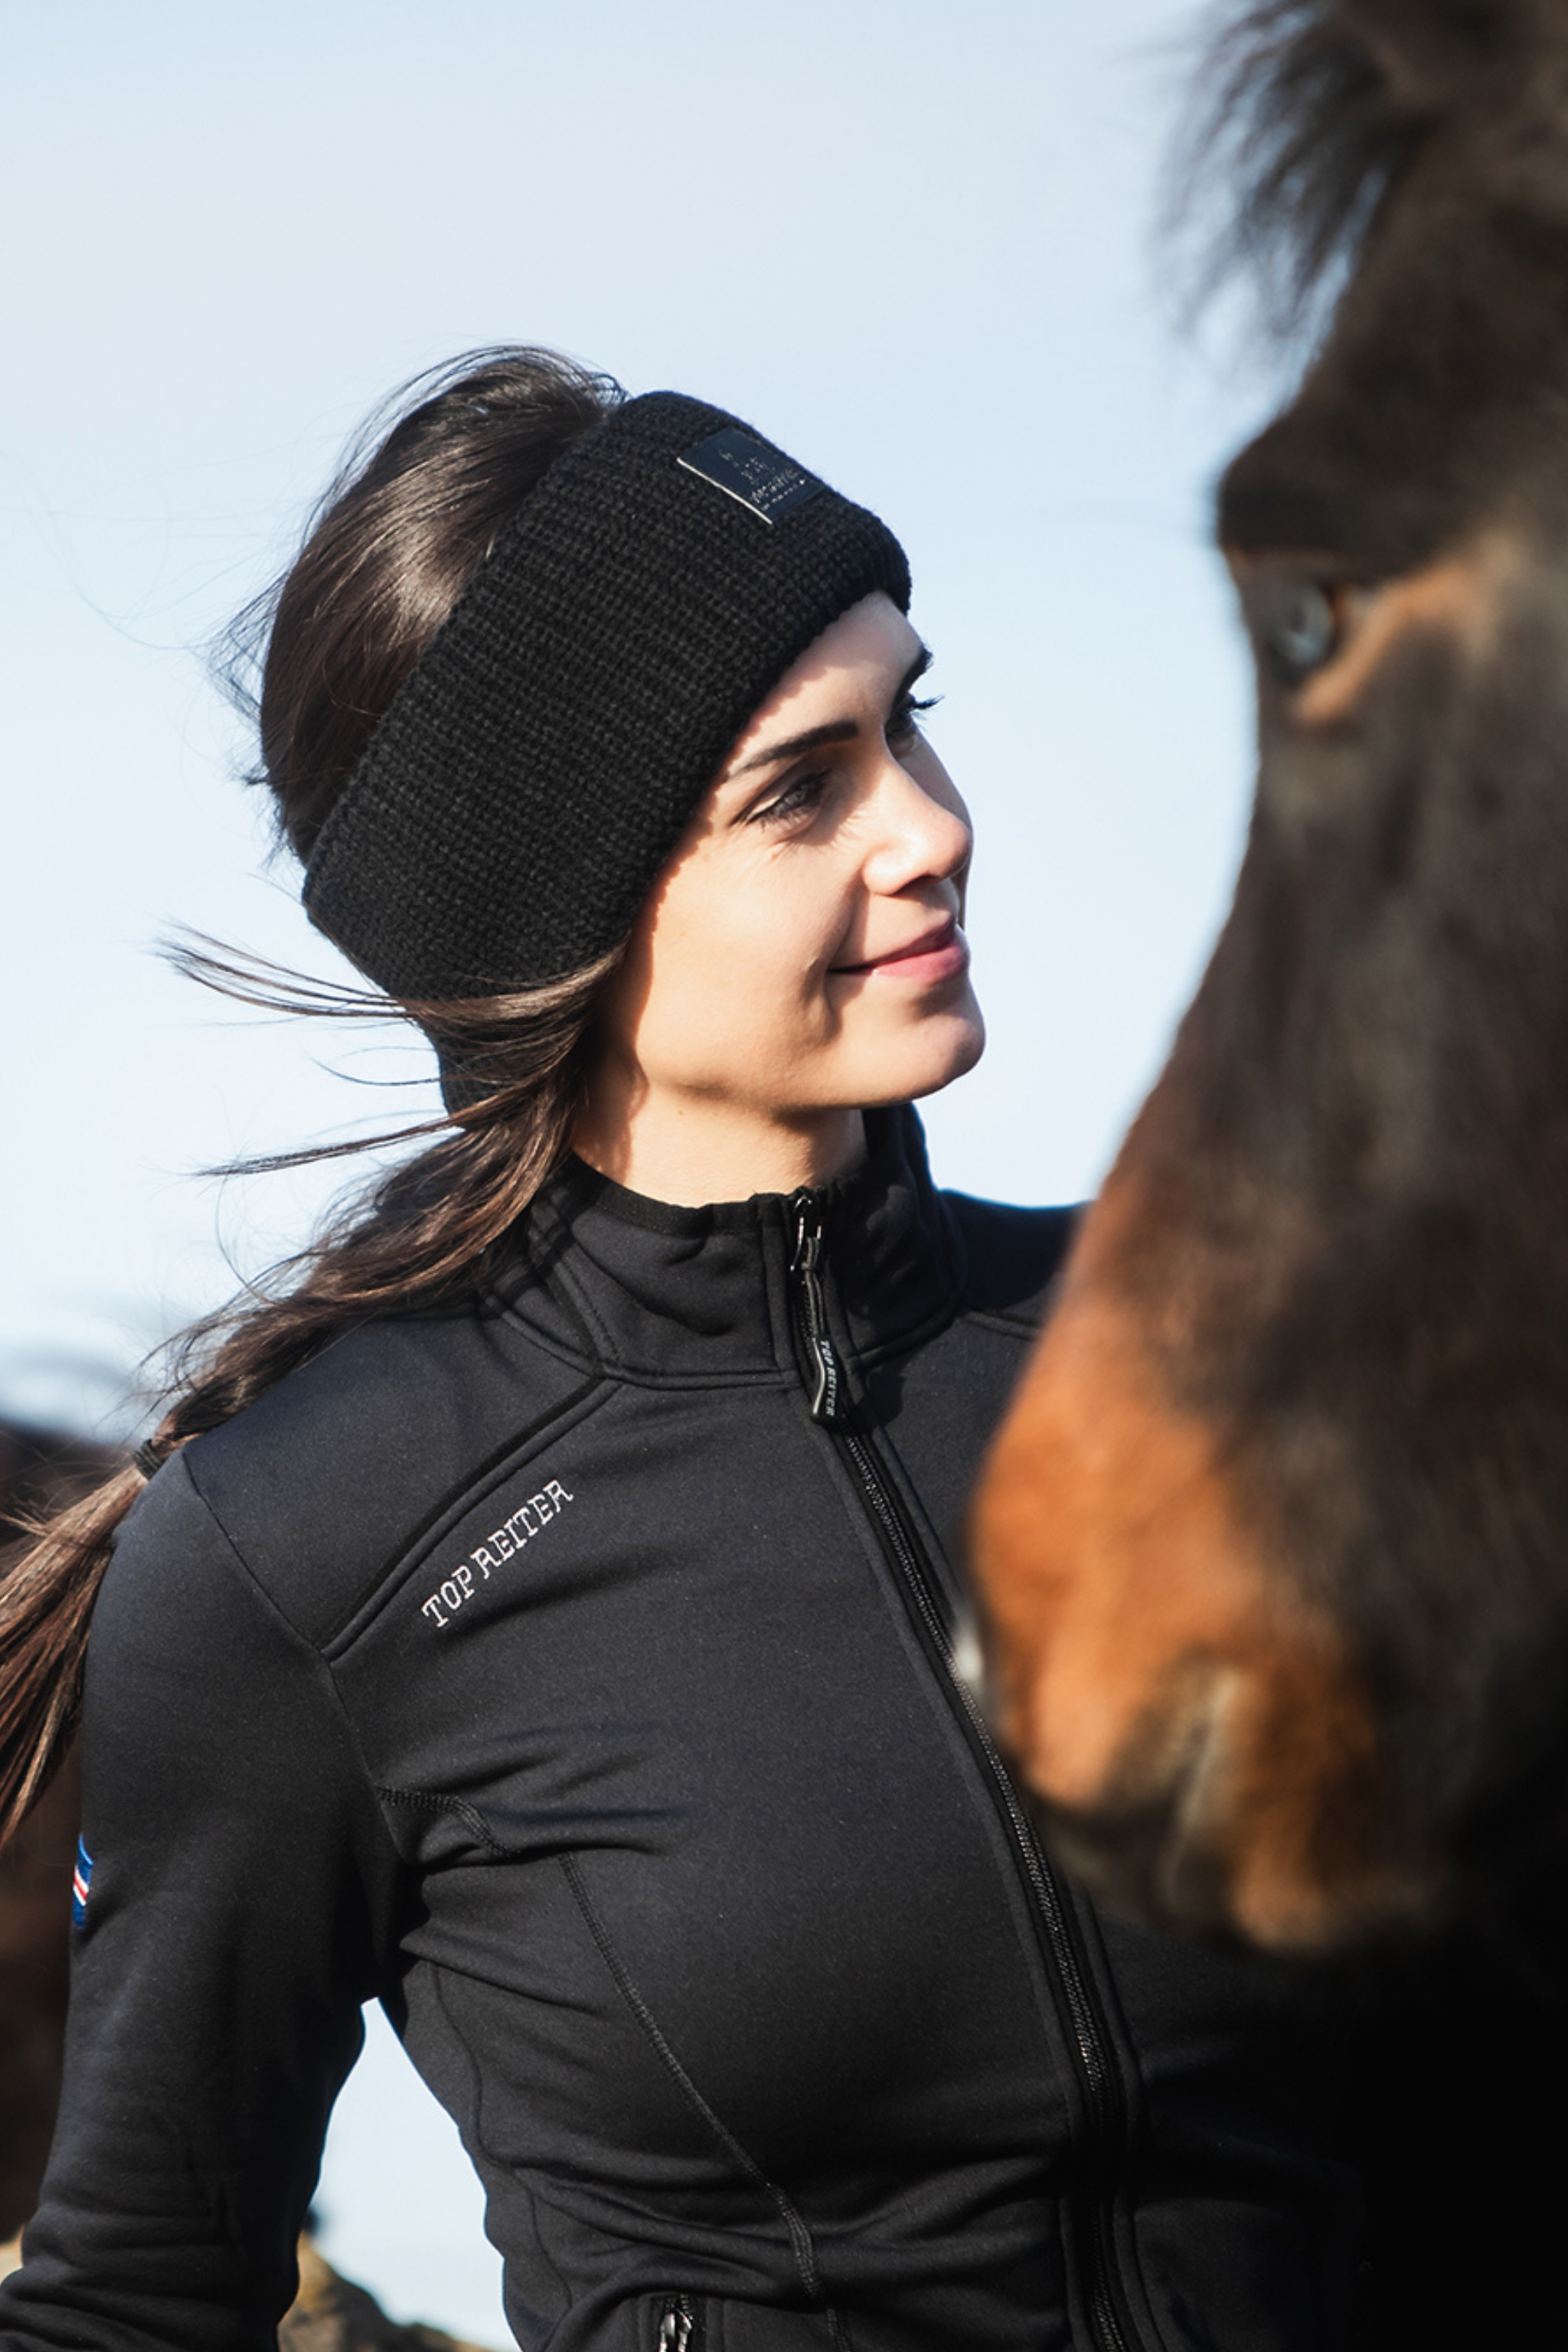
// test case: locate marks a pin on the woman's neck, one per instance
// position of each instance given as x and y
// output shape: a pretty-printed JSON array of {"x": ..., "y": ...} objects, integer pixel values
[{"x": 689, "y": 1151}]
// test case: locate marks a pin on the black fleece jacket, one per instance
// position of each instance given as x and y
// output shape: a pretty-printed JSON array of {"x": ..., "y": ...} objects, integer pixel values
[{"x": 571, "y": 1669}]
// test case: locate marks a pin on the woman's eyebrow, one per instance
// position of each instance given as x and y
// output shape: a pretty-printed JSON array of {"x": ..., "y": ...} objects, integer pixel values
[{"x": 837, "y": 730}]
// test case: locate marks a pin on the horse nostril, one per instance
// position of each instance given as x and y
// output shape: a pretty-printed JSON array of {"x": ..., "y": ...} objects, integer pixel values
[{"x": 1152, "y": 1840}]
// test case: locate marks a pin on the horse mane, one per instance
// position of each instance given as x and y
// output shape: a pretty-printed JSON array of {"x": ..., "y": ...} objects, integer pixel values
[{"x": 1302, "y": 126}]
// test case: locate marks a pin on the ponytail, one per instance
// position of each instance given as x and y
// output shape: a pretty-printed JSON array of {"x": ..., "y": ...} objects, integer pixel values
[
  {"x": 403, "y": 529},
  {"x": 46, "y": 1603}
]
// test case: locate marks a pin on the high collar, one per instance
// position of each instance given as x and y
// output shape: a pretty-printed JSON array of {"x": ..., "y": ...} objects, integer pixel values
[{"x": 662, "y": 1293}]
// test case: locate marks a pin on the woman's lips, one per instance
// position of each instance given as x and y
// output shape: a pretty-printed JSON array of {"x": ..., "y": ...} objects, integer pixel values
[{"x": 937, "y": 954}]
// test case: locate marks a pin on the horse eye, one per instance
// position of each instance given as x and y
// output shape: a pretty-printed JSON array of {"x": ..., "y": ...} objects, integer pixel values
[{"x": 1297, "y": 625}]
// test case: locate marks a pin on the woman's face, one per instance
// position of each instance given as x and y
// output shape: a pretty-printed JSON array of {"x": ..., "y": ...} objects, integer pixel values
[{"x": 801, "y": 955}]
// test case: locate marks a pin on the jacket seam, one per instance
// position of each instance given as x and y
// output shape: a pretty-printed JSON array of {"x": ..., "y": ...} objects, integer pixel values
[
  {"x": 403, "y": 1555},
  {"x": 516, "y": 2179},
  {"x": 412, "y": 1552},
  {"x": 481, "y": 2141},
  {"x": 888, "y": 1347},
  {"x": 1012, "y": 1327},
  {"x": 473, "y": 1477},
  {"x": 799, "y": 2236},
  {"x": 321, "y": 1666},
  {"x": 617, "y": 1370},
  {"x": 558, "y": 1284},
  {"x": 700, "y": 1384},
  {"x": 582, "y": 1359},
  {"x": 427, "y": 1801},
  {"x": 553, "y": 1232}
]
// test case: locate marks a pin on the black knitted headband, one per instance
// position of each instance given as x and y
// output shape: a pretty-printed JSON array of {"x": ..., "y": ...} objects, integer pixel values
[{"x": 531, "y": 776}]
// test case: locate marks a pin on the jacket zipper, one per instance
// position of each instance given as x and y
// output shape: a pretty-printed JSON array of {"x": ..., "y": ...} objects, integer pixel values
[
  {"x": 676, "y": 2327},
  {"x": 1098, "y": 2078}
]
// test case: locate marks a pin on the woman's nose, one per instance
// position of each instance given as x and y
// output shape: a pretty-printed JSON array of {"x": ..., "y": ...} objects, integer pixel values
[{"x": 923, "y": 830}]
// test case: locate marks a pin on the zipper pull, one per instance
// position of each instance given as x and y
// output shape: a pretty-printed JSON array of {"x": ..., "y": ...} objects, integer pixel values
[
  {"x": 675, "y": 2327},
  {"x": 827, "y": 1382}
]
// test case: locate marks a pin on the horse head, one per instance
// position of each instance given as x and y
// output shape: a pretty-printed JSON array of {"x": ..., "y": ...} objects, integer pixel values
[{"x": 1273, "y": 1549}]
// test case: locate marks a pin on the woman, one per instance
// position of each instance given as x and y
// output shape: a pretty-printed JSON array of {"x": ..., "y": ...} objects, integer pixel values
[{"x": 540, "y": 1616}]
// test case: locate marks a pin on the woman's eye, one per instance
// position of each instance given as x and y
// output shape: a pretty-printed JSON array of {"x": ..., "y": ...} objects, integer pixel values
[
  {"x": 800, "y": 794},
  {"x": 906, "y": 716}
]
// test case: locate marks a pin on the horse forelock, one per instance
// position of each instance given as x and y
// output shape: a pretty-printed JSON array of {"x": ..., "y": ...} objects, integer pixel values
[{"x": 1310, "y": 115}]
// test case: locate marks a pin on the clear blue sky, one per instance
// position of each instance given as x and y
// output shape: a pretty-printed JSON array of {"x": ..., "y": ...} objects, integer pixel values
[{"x": 912, "y": 241}]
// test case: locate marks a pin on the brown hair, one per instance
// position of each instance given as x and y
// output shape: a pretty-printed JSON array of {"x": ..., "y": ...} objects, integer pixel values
[{"x": 414, "y": 510}]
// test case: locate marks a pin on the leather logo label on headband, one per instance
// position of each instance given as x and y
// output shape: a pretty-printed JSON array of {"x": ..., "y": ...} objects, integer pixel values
[{"x": 749, "y": 470}]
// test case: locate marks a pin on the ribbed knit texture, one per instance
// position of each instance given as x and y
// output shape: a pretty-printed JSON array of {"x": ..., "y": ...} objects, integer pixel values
[{"x": 532, "y": 775}]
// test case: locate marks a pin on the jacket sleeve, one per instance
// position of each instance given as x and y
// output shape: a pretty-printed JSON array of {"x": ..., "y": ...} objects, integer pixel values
[{"x": 236, "y": 1916}]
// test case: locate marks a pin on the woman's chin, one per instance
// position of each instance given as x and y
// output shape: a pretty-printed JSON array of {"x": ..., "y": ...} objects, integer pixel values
[{"x": 943, "y": 1049}]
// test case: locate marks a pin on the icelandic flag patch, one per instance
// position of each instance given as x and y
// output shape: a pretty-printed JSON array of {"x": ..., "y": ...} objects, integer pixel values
[{"x": 81, "y": 1880}]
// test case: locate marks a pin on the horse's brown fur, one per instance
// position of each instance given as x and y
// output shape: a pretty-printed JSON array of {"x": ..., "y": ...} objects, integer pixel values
[
  {"x": 1166, "y": 1696},
  {"x": 1274, "y": 1546}
]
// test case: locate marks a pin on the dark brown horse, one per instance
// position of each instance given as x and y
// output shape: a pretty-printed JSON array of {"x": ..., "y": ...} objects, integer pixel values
[{"x": 1275, "y": 1545}]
